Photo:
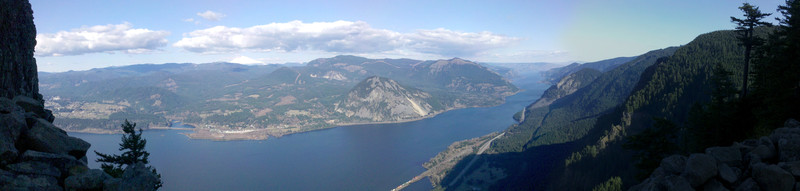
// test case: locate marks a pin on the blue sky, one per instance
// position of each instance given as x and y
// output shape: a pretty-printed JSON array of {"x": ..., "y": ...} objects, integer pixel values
[{"x": 80, "y": 35}]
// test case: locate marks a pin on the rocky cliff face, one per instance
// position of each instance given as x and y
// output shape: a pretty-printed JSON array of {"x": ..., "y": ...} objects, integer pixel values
[
  {"x": 18, "y": 36},
  {"x": 34, "y": 154},
  {"x": 769, "y": 163},
  {"x": 382, "y": 99}
]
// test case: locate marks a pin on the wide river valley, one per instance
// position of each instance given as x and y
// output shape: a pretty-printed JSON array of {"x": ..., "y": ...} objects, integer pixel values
[{"x": 360, "y": 157}]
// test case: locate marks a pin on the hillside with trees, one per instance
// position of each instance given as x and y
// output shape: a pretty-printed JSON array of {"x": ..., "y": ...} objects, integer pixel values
[
  {"x": 682, "y": 102},
  {"x": 262, "y": 100}
]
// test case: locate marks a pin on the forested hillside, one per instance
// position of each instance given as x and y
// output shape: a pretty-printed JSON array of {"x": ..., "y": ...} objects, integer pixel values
[
  {"x": 556, "y": 74},
  {"x": 263, "y": 100},
  {"x": 543, "y": 139},
  {"x": 664, "y": 93},
  {"x": 666, "y": 90}
]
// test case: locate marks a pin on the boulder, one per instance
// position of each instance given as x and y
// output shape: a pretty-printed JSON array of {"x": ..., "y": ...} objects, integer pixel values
[
  {"x": 742, "y": 147},
  {"x": 90, "y": 180},
  {"x": 748, "y": 185},
  {"x": 674, "y": 164},
  {"x": 45, "y": 137},
  {"x": 669, "y": 182},
  {"x": 792, "y": 123},
  {"x": 34, "y": 167},
  {"x": 788, "y": 143},
  {"x": 791, "y": 167},
  {"x": 714, "y": 185},
  {"x": 750, "y": 143},
  {"x": 32, "y": 105},
  {"x": 772, "y": 177},
  {"x": 727, "y": 174},
  {"x": 644, "y": 186},
  {"x": 676, "y": 183},
  {"x": 766, "y": 141},
  {"x": 763, "y": 152},
  {"x": 726, "y": 155},
  {"x": 61, "y": 162},
  {"x": 29, "y": 182},
  {"x": 699, "y": 169},
  {"x": 12, "y": 124},
  {"x": 135, "y": 177}
]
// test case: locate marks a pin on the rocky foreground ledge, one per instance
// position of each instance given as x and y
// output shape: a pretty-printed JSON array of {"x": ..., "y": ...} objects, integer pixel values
[
  {"x": 769, "y": 163},
  {"x": 35, "y": 155}
]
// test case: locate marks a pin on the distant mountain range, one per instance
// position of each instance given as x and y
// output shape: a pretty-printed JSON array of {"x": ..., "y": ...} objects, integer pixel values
[{"x": 268, "y": 100}]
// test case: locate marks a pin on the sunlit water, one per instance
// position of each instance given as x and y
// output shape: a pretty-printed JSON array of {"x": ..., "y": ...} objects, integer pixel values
[{"x": 361, "y": 157}]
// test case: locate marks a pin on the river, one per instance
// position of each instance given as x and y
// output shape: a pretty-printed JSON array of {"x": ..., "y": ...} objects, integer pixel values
[{"x": 359, "y": 157}]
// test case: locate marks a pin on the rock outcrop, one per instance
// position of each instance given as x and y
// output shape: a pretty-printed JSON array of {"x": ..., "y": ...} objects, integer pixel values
[
  {"x": 18, "y": 74},
  {"x": 382, "y": 99},
  {"x": 566, "y": 86},
  {"x": 34, "y": 154},
  {"x": 769, "y": 163}
]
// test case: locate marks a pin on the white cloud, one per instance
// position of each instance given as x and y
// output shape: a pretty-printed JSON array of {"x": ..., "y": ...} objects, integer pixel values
[
  {"x": 100, "y": 38},
  {"x": 211, "y": 15},
  {"x": 451, "y": 43},
  {"x": 245, "y": 60},
  {"x": 339, "y": 37}
]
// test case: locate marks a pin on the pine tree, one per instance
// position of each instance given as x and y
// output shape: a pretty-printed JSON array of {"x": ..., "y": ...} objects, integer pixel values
[
  {"x": 752, "y": 19},
  {"x": 777, "y": 81},
  {"x": 133, "y": 146}
]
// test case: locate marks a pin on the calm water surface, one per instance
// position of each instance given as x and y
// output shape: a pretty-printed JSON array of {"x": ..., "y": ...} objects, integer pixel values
[{"x": 361, "y": 157}]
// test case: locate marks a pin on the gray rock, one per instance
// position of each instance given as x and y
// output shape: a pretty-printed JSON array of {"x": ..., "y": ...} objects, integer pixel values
[
  {"x": 750, "y": 142},
  {"x": 742, "y": 147},
  {"x": 792, "y": 123},
  {"x": 727, "y": 174},
  {"x": 748, "y": 185},
  {"x": 763, "y": 152},
  {"x": 699, "y": 168},
  {"x": 727, "y": 155},
  {"x": 791, "y": 167},
  {"x": 135, "y": 177},
  {"x": 32, "y": 105},
  {"x": 674, "y": 164},
  {"x": 18, "y": 74},
  {"x": 30, "y": 182},
  {"x": 62, "y": 162},
  {"x": 772, "y": 177},
  {"x": 33, "y": 167},
  {"x": 676, "y": 183},
  {"x": 789, "y": 149},
  {"x": 788, "y": 143},
  {"x": 669, "y": 182},
  {"x": 766, "y": 141},
  {"x": 660, "y": 172},
  {"x": 45, "y": 137},
  {"x": 714, "y": 185},
  {"x": 90, "y": 180},
  {"x": 12, "y": 124},
  {"x": 752, "y": 159}
]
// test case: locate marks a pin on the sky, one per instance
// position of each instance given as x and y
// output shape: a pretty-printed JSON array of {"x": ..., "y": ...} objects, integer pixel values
[{"x": 80, "y": 35}]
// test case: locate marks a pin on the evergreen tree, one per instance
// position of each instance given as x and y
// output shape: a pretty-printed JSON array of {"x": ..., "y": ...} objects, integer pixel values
[
  {"x": 752, "y": 19},
  {"x": 777, "y": 81},
  {"x": 133, "y": 146},
  {"x": 653, "y": 144}
]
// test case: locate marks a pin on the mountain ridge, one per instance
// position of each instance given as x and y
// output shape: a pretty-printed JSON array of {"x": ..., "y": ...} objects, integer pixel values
[{"x": 269, "y": 100}]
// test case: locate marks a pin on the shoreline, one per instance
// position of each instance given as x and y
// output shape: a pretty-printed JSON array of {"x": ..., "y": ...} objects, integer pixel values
[{"x": 264, "y": 134}]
